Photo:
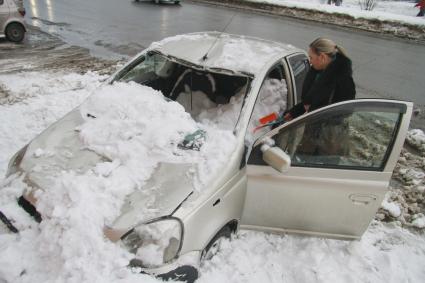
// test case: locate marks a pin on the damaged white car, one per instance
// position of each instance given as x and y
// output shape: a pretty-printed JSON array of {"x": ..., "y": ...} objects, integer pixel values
[{"x": 265, "y": 176}]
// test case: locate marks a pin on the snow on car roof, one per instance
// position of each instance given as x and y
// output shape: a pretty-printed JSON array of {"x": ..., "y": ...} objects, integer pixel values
[{"x": 233, "y": 52}]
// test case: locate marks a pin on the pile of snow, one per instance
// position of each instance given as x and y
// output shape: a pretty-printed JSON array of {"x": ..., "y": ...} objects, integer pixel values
[
  {"x": 392, "y": 208},
  {"x": 401, "y": 11},
  {"x": 386, "y": 253},
  {"x": 69, "y": 246},
  {"x": 33, "y": 101},
  {"x": 412, "y": 176},
  {"x": 271, "y": 99},
  {"x": 135, "y": 128},
  {"x": 416, "y": 138}
]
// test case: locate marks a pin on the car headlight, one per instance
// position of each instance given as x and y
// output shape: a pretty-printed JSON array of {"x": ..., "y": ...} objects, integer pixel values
[
  {"x": 154, "y": 243},
  {"x": 15, "y": 161}
]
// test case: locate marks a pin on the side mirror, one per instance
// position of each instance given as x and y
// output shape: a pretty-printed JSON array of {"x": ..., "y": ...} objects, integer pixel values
[{"x": 277, "y": 158}]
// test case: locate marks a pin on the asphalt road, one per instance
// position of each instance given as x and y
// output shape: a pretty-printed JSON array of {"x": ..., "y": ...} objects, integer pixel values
[{"x": 384, "y": 67}]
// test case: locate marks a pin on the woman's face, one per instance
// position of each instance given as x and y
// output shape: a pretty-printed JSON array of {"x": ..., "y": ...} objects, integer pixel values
[{"x": 318, "y": 61}]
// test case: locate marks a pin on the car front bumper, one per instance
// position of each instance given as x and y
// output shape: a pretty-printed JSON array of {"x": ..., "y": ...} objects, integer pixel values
[{"x": 184, "y": 268}]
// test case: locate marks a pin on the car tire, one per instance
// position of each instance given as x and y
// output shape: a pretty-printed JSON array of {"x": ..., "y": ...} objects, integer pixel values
[
  {"x": 15, "y": 32},
  {"x": 176, "y": 2},
  {"x": 214, "y": 245}
]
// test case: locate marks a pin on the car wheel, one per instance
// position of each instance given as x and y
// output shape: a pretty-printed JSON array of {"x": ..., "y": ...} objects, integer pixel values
[
  {"x": 176, "y": 2},
  {"x": 215, "y": 244},
  {"x": 15, "y": 32}
]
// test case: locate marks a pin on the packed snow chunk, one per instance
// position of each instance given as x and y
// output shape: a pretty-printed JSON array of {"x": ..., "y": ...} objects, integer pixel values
[
  {"x": 412, "y": 176},
  {"x": 392, "y": 208},
  {"x": 131, "y": 122},
  {"x": 39, "y": 152},
  {"x": 419, "y": 221},
  {"x": 271, "y": 99},
  {"x": 137, "y": 126},
  {"x": 159, "y": 239},
  {"x": 223, "y": 116},
  {"x": 416, "y": 138}
]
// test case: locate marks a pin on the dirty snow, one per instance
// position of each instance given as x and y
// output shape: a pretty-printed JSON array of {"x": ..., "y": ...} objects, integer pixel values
[
  {"x": 416, "y": 138},
  {"x": 392, "y": 208},
  {"x": 399, "y": 11}
]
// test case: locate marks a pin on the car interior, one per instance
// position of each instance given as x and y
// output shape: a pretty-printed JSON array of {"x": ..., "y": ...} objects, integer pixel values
[{"x": 185, "y": 84}]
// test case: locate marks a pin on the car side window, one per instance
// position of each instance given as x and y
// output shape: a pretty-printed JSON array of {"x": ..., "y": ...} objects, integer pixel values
[
  {"x": 272, "y": 98},
  {"x": 299, "y": 66},
  {"x": 358, "y": 136},
  {"x": 144, "y": 69}
]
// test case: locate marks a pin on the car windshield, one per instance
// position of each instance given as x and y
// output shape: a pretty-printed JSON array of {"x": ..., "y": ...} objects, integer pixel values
[{"x": 207, "y": 96}]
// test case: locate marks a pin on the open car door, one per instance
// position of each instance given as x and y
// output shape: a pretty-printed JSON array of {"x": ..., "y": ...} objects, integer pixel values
[{"x": 342, "y": 158}]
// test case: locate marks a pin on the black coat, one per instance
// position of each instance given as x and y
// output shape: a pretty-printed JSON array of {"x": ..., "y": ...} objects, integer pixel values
[{"x": 321, "y": 88}]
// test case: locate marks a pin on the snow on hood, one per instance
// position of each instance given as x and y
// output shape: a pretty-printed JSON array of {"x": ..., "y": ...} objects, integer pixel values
[{"x": 132, "y": 134}]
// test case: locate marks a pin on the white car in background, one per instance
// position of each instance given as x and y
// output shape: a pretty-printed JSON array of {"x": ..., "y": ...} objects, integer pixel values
[
  {"x": 274, "y": 179},
  {"x": 12, "y": 24}
]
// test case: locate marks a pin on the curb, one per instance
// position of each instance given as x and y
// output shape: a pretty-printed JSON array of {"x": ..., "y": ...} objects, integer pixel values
[{"x": 388, "y": 28}]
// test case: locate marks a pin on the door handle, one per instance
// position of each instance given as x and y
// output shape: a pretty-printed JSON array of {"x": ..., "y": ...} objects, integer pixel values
[{"x": 362, "y": 199}]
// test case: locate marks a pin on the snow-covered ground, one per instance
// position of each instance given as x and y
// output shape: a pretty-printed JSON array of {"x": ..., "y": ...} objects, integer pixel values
[
  {"x": 401, "y": 11},
  {"x": 56, "y": 252}
]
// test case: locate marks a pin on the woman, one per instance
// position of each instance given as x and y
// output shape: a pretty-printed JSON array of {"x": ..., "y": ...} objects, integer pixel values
[{"x": 329, "y": 79}]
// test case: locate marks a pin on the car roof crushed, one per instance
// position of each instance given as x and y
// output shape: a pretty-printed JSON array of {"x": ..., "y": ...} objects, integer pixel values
[{"x": 215, "y": 50}]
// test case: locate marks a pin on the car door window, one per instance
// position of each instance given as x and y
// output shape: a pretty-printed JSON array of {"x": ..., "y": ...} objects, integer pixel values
[
  {"x": 349, "y": 136},
  {"x": 272, "y": 98},
  {"x": 299, "y": 65}
]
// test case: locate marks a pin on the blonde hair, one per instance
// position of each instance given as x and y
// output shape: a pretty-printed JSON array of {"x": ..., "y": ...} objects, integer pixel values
[{"x": 327, "y": 46}]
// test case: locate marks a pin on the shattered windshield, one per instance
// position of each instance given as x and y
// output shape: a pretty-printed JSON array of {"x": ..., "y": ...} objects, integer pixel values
[{"x": 210, "y": 97}]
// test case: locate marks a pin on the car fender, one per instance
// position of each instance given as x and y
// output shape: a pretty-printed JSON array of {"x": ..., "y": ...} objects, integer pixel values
[{"x": 14, "y": 20}]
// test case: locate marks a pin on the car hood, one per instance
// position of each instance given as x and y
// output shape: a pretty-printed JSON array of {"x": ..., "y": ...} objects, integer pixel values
[{"x": 59, "y": 148}]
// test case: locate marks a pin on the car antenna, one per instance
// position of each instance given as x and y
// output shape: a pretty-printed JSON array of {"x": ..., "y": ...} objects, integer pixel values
[{"x": 205, "y": 57}]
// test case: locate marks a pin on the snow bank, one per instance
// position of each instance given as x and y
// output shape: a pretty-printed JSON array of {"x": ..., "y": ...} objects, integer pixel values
[
  {"x": 34, "y": 100},
  {"x": 400, "y": 11}
]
